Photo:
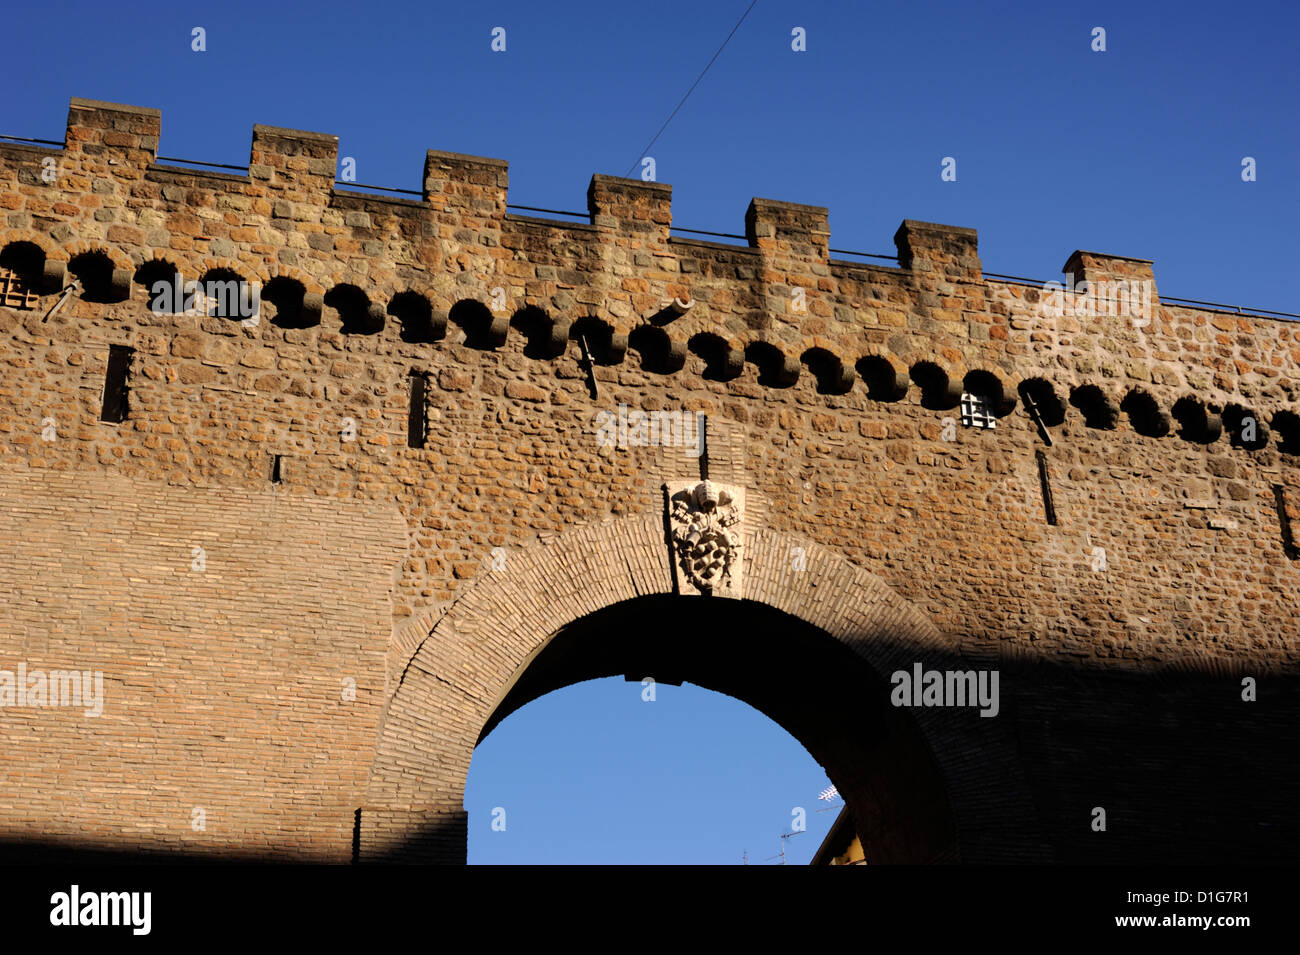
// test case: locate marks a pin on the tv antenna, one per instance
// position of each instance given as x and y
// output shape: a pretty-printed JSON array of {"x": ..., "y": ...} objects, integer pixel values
[
  {"x": 784, "y": 837},
  {"x": 829, "y": 793}
]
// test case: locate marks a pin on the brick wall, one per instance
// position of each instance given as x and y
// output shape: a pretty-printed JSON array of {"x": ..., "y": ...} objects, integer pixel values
[{"x": 227, "y": 625}]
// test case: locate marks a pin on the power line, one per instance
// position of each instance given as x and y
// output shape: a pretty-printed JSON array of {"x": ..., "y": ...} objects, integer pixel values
[{"x": 692, "y": 89}]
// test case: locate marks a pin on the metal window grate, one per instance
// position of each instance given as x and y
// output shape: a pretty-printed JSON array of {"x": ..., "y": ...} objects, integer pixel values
[
  {"x": 14, "y": 292},
  {"x": 975, "y": 411}
]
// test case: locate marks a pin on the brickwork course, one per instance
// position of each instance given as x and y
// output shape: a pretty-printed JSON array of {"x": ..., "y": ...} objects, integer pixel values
[{"x": 305, "y": 624}]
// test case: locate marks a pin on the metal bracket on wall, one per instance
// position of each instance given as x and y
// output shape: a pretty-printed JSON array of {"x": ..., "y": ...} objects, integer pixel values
[
  {"x": 588, "y": 366},
  {"x": 1034, "y": 413},
  {"x": 72, "y": 288}
]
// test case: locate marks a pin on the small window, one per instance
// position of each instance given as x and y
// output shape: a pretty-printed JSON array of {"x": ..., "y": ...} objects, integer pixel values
[
  {"x": 417, "y": 416},
  {"x": 1284, "y": 519},
  {"x": 1045, "y": 483},
  {"x": 14, "y": 292},
  {"x": 975, "y": 411},
  {"x": 115, "y": 408},
  {"x": 20, "y": 273}
]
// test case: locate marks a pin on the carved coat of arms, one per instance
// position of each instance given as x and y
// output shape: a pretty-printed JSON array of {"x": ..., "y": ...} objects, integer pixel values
[{"x": 705, "y": 521}]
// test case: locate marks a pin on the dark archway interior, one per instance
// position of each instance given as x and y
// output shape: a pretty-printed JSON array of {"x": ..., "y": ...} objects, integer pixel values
[{"x": 816, "y": 688}]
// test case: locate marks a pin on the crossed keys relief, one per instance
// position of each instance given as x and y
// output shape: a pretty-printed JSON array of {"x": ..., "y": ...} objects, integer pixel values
[{"x": 705, "y": 522}]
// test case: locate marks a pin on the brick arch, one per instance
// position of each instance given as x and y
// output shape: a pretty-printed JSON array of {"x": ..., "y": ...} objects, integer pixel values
[
  {"x": 1004, "y": 394},
  {"x": 844, "y": 375},
  {"x": 886, "y": 376},
  {"x": 39, "y": 239},
  {"x": 53, "y": 272},
  {"x": 448, "y": 677},
  {"x": 166, "y": 264},
  {"x": 723, "y": 357},
  {"x": 278, "y": 270},
  {"x": 777, "y": 364},
  {"x": 940, "y": 382},
  {"x": 67, "y": 253},
  {"x": 247, "y": 271},
  {"x": 187, "y": 264},
  {"x": 953, "y": 364},
  {"x": 810, "y": 342},
  {"x": 117, "y": 286}
]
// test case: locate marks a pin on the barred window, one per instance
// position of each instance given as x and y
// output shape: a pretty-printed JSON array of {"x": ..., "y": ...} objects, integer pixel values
[
  {"x": 975, "y": 411},
  {"x": 14, "y": 291}
]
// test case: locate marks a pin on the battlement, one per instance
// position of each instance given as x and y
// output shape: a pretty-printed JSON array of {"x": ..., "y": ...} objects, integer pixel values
[{"x": 458, "y": 263}]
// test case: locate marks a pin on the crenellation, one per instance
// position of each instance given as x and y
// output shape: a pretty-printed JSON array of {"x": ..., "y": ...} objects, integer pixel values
[
  {"x": 1099, "y": 267},
  {"x": 788, "y": 230},
  {"x": 631, "y": 207},
  {"x": 102, "y": 135},
  {"x": 298, "y": 167},
  {"x": 937, "y": 254},
  {"x": 474, "y": 188},
  {"x": 291, "y": 165}
]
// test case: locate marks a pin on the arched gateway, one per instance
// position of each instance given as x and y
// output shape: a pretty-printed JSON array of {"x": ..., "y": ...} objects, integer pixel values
[{"x": 805, "y": 636}]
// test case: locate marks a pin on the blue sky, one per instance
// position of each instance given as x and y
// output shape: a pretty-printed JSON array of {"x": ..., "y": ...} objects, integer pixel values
[
  {"x": 596, "y": 774},
  {"x": 1135, "y": 151}
]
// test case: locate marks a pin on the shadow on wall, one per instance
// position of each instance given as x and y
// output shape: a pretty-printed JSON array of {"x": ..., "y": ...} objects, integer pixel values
[
  {"x": 1185, "y": 769},
  {"x": 38, "y": 851}
]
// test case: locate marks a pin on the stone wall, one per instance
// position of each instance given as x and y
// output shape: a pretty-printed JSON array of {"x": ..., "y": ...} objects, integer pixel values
[{"x": 830, "y": 391}]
